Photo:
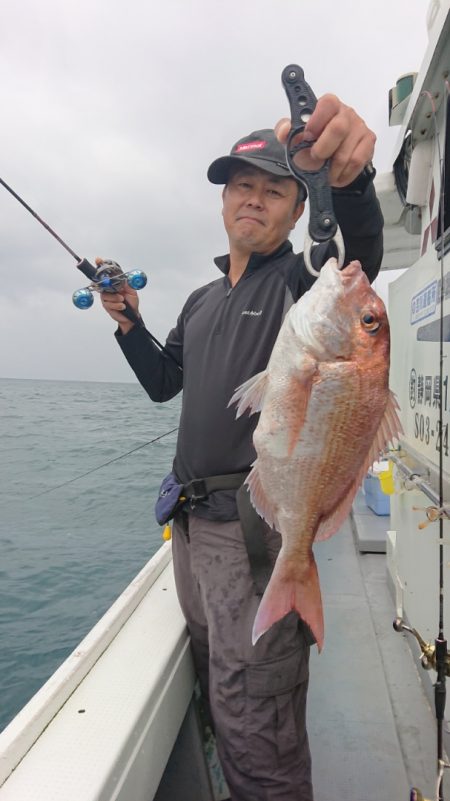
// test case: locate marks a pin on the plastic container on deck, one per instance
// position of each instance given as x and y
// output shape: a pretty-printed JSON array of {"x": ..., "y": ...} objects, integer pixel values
[{"x": 376, "y": 499}]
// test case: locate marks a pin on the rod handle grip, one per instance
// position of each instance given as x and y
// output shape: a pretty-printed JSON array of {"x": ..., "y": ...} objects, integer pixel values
[{"x": 131, "y": 315}]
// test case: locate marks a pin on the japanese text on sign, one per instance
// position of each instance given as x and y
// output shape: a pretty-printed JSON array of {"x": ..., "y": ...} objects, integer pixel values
[{"x": 425, "y": 397}]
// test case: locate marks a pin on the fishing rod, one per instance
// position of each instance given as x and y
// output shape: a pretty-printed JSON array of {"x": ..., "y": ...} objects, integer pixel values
[
  {"x": 437, "y": 656},
  {"x": 106, "y": 276}
]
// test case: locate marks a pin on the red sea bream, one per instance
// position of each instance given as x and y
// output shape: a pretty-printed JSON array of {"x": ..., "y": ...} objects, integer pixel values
[{"x": 326, "y": 413}]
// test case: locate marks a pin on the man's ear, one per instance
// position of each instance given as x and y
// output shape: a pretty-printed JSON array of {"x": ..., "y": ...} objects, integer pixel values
[{"x": 298, "y": 211}]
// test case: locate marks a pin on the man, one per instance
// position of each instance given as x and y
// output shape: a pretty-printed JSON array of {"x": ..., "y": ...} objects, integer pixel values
[{"x": 225, "y": 335}]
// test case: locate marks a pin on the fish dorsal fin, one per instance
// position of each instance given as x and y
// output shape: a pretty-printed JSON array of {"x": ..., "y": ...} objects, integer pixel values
[
  {"x": 389, "y": 428},
  {"x": 250, "y": 395}
]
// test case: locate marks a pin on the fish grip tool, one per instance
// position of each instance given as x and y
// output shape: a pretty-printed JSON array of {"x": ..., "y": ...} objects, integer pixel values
[{"x": 322, "y": 226}]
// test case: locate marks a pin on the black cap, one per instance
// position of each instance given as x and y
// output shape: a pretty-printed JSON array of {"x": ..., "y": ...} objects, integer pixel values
[{"x": 260, "y": 149}]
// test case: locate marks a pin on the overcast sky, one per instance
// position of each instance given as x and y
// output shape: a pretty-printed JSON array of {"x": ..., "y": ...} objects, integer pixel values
[{"x": 111, "y": 114}]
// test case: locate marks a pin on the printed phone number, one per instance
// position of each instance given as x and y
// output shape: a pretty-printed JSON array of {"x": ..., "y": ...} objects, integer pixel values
[{"x": 426, "y": 431}]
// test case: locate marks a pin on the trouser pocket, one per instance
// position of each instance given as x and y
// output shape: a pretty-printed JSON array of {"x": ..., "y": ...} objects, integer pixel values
[{"x": 275, "y": 715}]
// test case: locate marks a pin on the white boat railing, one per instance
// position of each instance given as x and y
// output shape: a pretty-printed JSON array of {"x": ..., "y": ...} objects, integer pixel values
[{"x": 104, "y": 724}]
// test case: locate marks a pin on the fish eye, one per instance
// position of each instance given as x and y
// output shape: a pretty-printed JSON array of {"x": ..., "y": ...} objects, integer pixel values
[{"x": 370, "y": 322}]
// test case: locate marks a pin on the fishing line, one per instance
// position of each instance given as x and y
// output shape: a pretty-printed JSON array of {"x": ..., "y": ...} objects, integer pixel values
[{"x": 100, "y": 466}]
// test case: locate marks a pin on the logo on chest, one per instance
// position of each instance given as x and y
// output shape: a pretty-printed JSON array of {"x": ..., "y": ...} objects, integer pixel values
[{"x": 251, "y": 313}]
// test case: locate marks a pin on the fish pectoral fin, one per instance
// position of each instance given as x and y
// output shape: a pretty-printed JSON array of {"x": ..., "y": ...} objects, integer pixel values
[
  {"x": 258, "y": 496},
  {"x": 290, "y": 588},
  {"x": 300, "y": 388},
  {"x": 388, "y": 430},
  {"x": 250, "y": 395},
  {"x": 390, "y": 426}
]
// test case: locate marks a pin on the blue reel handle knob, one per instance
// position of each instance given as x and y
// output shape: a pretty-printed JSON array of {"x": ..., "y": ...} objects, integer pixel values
[
  {"x": 83, "y": 298},
  {"x": 136, "y": 279}
]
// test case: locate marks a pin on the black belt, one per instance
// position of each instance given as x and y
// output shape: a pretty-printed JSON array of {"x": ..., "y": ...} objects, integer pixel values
[
  {"x": 199, "y": 488},
  {"x": 253, "y": 526}
]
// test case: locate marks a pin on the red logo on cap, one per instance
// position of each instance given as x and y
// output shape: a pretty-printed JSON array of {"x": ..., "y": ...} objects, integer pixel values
[{"x": 259, "y": 144}]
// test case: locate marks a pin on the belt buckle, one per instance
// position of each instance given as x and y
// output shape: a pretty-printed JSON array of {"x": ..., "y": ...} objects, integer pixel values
[{"x": 198, "y": 490}]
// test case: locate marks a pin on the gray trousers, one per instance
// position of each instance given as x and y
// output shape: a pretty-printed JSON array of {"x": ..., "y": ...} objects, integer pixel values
[{"x": 257, "y": 694}]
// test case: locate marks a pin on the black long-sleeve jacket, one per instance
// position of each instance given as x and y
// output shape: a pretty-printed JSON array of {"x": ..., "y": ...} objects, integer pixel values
[{"x": 224, "y": 336}]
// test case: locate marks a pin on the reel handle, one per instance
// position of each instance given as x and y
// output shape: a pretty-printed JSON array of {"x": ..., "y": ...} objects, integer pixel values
[
  {"x": 111, "y": 277},
  {"x": 108, "y": 276}
]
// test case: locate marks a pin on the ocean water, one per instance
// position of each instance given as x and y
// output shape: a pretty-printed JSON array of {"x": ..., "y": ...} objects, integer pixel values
[{"x": 68, "y": 551}]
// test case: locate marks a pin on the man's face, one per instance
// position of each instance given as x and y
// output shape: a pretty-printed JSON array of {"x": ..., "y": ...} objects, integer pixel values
[{"x": 259, "y": 210}]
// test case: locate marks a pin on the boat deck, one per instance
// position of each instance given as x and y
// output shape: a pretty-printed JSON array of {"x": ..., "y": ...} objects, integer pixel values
[
  {"x": 372, "y": 729},
  {"x": 371, "y": 726}
]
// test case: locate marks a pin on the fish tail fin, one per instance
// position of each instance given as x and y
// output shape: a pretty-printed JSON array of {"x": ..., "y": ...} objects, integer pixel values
[{"x": 290, "y": 589}]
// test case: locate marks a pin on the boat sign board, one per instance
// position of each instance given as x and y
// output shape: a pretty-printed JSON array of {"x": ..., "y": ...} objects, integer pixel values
[{"x": 414, "y": 313}]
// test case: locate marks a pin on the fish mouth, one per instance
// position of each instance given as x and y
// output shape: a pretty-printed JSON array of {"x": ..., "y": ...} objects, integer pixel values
[
  {"x": 351, "y": 269},
  {"x": 353, "y": 275}
]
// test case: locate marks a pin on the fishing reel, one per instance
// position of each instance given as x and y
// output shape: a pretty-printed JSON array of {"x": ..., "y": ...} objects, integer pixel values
[
  {"x": 428, "y": 651},
  {"x": 108, "y": 277}
]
